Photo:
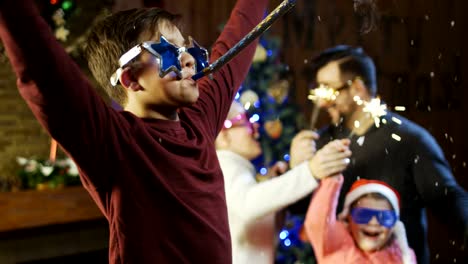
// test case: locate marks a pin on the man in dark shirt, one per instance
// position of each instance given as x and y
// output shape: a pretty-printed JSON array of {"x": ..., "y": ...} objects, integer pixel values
[
  {"x": 152, "y": 168},
  {"x": 398, "y": 151}
]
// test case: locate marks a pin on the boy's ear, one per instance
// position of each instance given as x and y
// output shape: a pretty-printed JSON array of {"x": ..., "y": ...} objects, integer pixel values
[{"x": 128, "y": 80}]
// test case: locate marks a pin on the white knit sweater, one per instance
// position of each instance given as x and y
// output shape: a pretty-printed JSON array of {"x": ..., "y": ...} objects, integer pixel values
[{"x": 252, "y": 206}]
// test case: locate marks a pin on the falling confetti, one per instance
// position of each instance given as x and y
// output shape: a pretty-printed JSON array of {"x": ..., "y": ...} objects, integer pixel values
[
  {"x": 357, "y": 124},
  {"x": 400, "y": 108},
  {"x": 396, "y": 120},
  {"x": 360, "y": 140},
  {"x": 396, "y": 137}
]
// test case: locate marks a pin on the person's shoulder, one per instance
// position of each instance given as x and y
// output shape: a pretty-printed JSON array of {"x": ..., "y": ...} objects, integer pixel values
[
  {"x": 404, "y": 125},
  {"x": 409, "y": 130}
]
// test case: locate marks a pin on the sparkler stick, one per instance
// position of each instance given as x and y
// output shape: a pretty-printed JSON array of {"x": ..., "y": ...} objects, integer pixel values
[
  {"x": 282, "y": 9},
  {"x": 315, "y": 114},
  {"x": 319, "y": 95}
]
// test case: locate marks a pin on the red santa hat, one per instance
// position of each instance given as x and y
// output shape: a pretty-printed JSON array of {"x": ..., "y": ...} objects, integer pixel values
[{"x": 364, "y": 186}]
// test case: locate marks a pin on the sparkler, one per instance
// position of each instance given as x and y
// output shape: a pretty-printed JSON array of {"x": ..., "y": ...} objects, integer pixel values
[
  {"x": 374, "y": 109},
  {"x": 319, "y": 95},
  {"x": 282, "y": 9}
]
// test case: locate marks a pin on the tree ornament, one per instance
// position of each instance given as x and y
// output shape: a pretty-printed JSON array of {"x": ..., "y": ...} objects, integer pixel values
[
  {"x": 248, "y": 98},
  {"x": 62, "y": 33},
  {"x": 260, "y": 54},
  {"x": 59, "y": 17},
  {"x": 279, "y": 91},
  {"x": 274, "y": 128}
]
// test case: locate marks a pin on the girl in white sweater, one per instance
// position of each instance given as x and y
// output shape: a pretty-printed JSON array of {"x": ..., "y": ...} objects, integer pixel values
[{"x": 251, "y": 205}]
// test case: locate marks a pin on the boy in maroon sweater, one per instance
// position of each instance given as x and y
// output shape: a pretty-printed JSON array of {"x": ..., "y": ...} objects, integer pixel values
[{"x": 152, "y": 168}]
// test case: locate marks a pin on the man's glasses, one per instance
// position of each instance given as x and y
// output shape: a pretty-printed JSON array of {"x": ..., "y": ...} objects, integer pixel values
[
  {"x": 362, "y": 215},
  {"x": 325, "y": 91},
  {"x": 167, "y": 57}
]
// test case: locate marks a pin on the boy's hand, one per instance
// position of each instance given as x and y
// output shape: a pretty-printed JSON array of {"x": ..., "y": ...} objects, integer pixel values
[
  {"x": 302, "y": 147},
  {"x": 333, "y": 158}
]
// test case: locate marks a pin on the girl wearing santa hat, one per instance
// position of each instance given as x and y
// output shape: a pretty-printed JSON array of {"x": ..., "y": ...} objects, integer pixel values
[{"x": 367, "y": 231}]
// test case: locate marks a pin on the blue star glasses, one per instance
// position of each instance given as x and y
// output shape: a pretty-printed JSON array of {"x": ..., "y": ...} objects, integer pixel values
[
  {"x": 363, "y": 215},
  {"x": 167, "y": 56}
]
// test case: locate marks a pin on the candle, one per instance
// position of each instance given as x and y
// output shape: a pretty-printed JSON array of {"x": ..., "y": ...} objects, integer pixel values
[{"x": 53, "y": 150}]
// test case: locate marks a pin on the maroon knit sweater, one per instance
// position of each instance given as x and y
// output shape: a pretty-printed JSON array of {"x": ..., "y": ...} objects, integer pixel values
[{"x": 158, "y": 182}]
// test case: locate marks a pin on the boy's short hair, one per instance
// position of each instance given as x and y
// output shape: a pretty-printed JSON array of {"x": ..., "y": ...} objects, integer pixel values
[{"x": 115, "y": 35}]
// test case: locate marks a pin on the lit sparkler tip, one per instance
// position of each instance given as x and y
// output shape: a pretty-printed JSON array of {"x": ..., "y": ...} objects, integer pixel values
[
  {"x": 400, "y": 108},
  {"x": 376, "y": 109},
  {"x": 322, "y": 92}
]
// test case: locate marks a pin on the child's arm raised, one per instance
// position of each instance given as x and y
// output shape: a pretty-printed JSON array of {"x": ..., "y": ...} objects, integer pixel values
[
  {"x": 326, "y": 234},
  {"x": 222, "y": 89}
]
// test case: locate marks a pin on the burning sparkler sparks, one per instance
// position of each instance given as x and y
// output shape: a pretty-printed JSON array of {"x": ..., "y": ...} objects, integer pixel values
[
  {"x": 323, "y": 93},
  {"x": 376, "y": 109}
]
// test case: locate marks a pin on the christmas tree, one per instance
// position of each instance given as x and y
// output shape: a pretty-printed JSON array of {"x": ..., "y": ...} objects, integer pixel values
[{"x": 266, "y": 95}]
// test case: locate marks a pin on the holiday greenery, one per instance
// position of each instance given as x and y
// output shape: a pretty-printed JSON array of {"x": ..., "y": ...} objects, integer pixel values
[{"x": 265, "y": 95}]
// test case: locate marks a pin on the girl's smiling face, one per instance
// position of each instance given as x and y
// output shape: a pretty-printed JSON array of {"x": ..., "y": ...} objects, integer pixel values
[{"x": 371, "y": 236}]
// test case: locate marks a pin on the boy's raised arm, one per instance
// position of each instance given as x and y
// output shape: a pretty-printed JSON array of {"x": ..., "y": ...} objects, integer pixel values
[{"x": 244, "y": 17}]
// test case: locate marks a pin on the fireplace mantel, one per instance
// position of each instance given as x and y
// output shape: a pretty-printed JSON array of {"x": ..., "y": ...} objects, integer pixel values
[{"x": 31, "y": 209}]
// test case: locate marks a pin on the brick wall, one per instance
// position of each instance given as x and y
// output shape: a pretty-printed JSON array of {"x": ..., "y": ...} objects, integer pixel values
[{"x": 20, "y": 133}]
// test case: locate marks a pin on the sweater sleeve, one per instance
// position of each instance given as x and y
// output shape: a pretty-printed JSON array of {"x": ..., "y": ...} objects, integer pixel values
[
  {"x": 326, "y": 234},
  {"x": 53, "y": 86},
  {"x": 259, "y": 199},
  {"x": 435, "y": 182},
  {"x": 217, "y": 95}
]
